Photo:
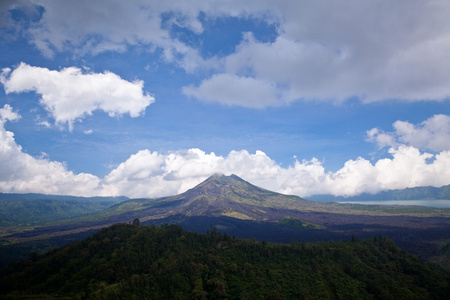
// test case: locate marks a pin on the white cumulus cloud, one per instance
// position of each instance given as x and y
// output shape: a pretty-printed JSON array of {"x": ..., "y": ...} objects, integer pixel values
[
  {"x": 69, "y": 94},
  {"x": 152, "y": 174},
  {"x": 432, "y": 134},
  {"x": 7, "y": 114},
  {"x": 23, "y": 173}
]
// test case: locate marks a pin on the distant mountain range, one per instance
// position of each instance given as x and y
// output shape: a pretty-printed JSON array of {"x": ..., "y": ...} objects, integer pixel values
[
  {"x": 34, "y": 196},
  {"x": 39, "y": 209},
  {"x": 416, "y": 193}
]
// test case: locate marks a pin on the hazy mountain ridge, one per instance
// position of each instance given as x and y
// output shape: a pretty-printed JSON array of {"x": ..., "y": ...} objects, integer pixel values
[
  {"x": 148, "y": 262},
  {"x": 40, "y": 209},
  {"x": 26, "y": 212},
  {"x": 36, "y": 196},
  {"x": 415, "y": 193}
]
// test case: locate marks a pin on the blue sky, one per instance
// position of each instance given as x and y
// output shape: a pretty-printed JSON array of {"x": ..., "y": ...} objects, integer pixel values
[{"x": 149, "y": 98}]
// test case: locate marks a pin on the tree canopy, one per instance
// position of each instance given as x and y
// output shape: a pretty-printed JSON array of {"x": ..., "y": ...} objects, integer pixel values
[{"x": 166, "y": 262}]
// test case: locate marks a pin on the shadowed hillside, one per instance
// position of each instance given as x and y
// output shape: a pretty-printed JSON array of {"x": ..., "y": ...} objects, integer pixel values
[{"x": 129, "y": 261}]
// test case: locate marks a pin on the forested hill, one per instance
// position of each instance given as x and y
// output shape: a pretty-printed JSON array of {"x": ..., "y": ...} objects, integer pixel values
[
  {"x": 130, "y": 261},
  {"x": 16, "y": 212}
]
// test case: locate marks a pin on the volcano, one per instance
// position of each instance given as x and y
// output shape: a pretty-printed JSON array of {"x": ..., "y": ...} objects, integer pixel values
[{"x": 220, "y": 195}]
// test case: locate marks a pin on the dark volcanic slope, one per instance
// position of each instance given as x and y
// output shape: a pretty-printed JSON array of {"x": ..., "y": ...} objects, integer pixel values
[
  {"x": 231, "y": 196},
  {"x": 222, "y": 195},
  {"x": 219, "y": 195}
]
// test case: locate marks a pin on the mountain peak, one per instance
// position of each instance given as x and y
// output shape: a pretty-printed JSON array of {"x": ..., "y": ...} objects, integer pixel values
[
  {"x": 232, "y": 196},
  {"x": 216, "y": 176},
  {"x": 222, "y": 195},
  {"x": 221, "y": 176},
  {"x": 216, "y": 184}
]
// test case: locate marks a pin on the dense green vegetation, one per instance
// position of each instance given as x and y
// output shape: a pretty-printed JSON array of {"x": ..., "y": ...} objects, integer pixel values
[
  {"x": 446, "y": 250},
  {"x": 10, "y": 253},
  {"x": 137, "y": 262},
  {"x": 292, "y": 222}
]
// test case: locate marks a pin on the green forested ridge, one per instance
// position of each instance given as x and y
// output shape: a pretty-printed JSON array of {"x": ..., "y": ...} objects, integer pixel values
[
  {"x": 31, "y": 212},
  {"x": 298, "y": 224},
  {"x": 137, "y": 262}
]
